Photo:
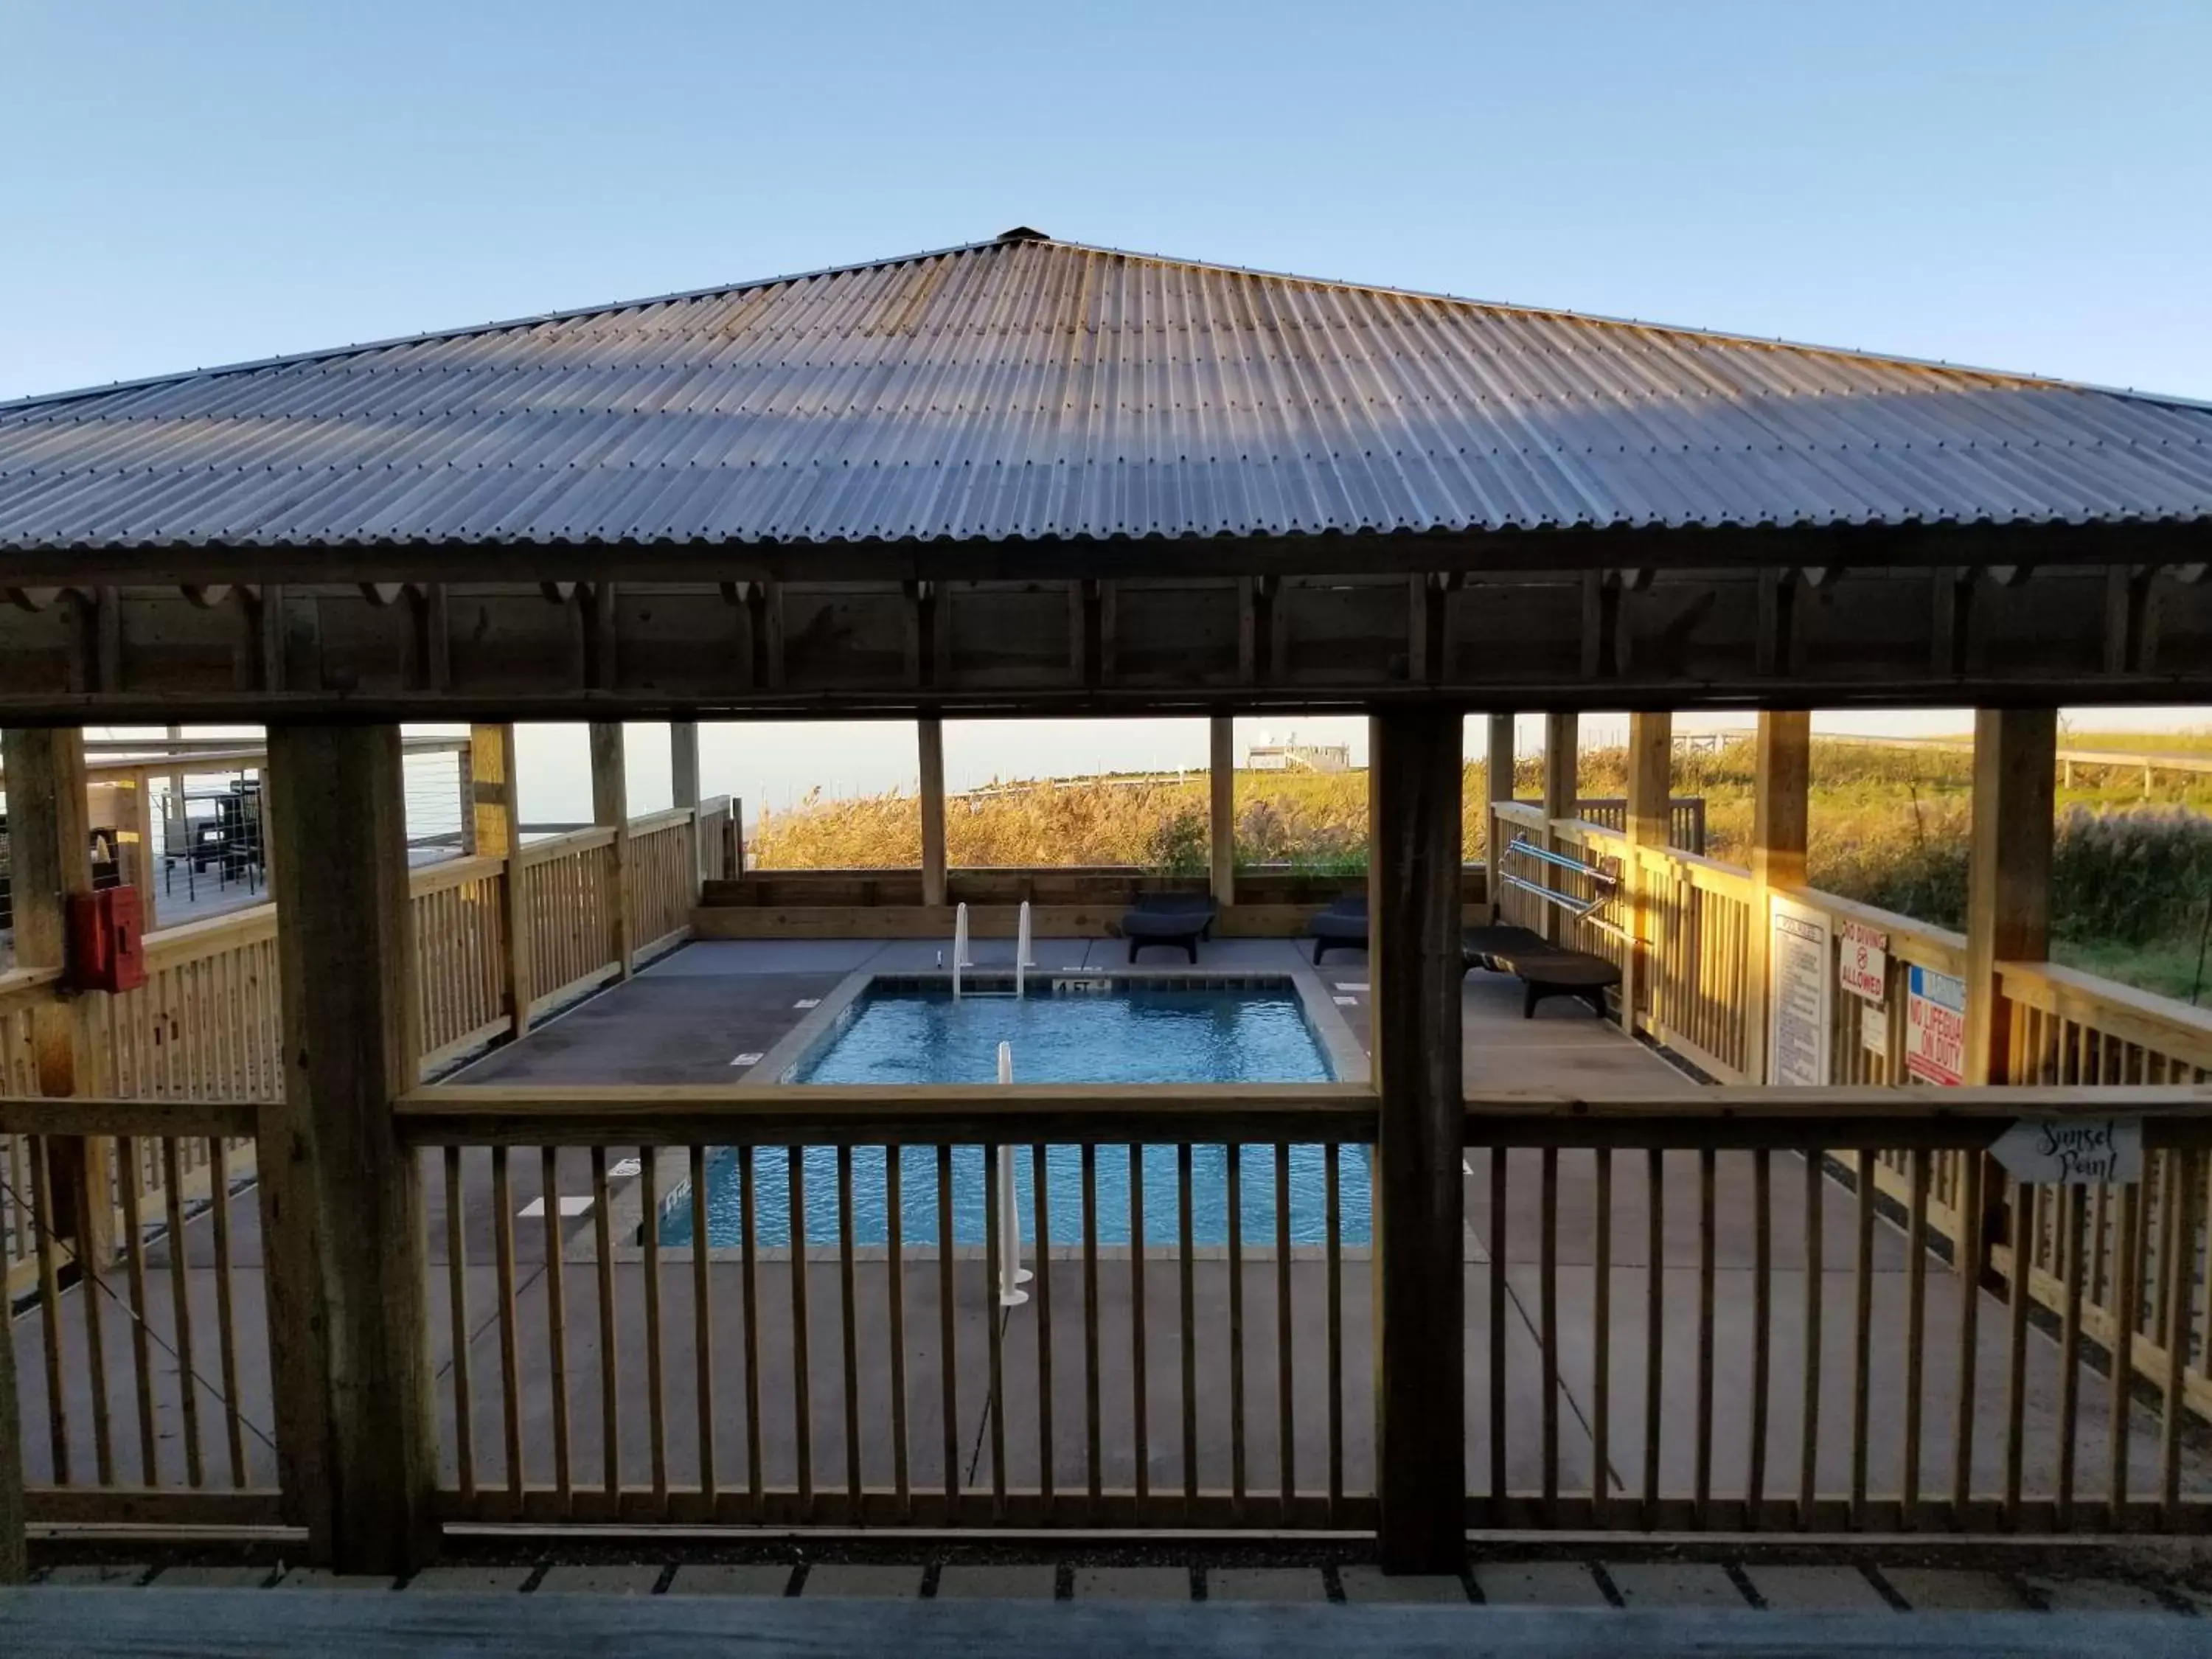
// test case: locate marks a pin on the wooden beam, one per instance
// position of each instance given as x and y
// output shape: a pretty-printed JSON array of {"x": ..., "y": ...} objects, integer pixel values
[
  {"x": 683, "y": 787},
  {"x": 1414, "y": 774},
  {"x": 139, "y": 835},
  {"x": 13, "y": 1563},
  {"x": 1562, "y": 757},
  {"x": 611, "y": 806},
  {"x": 684, "y": 763},
  {"x": 2008, "y": 871},
  {"x": 1779, "y": 803},
  {"x": 929, "y": 736},
  {"x": 1221, "y": 778},
  {"x": 342, "y": 1206},
  {"x": 1498, "y": 773},
  {"x": 495, "y": 817},
  {"x": 1649, "y": 818}
]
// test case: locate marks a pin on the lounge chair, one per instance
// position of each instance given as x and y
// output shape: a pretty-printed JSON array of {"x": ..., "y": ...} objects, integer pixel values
[
  {"x": 1545, "y": 968},
  {"x": 1342, "y": 926},
  {"x": 1175, "y": 920}
]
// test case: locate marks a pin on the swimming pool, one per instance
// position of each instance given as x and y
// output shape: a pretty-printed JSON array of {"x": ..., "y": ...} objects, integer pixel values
[
  {"x": 1109, "y": 1031},
  {"x": 1132, "y": 1032}
]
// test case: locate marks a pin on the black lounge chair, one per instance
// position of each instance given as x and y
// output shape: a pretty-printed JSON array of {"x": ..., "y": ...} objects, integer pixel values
[
  {"x": 1545, "y": 968},
  {"x": 1342, "y": 926},
  {"x": 1179, "y": 921}
]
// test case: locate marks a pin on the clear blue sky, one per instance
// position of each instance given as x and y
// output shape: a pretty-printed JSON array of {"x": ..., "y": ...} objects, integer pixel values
[{"x": 2023, "y": 186}]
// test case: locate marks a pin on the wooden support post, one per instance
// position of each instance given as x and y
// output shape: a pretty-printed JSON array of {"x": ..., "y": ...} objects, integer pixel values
[
  {"x": 610, "y": 804},
  {"x": 494, "y": 817},
  {"x": 1779, "y": 807},
  {"x": 1498, "y": 786},
  {"x": 49, "y": 859},
  {"x": 176, "y": 803},
  {"x": 1562, "y": 757},
  {"x": 684, "y": 790},
  {"x": 929, "y": 734},
  {"x": 12, "y": 1566},
  {"x": 146, "y": 864},
  {"x": 684, "y": 763},
  {"x": 464, "y": 766},
  {"x": 2007, "y": 872},
  {"x": 1649, "y": 816},
  {"x": 342, "y": 1206},
  {"x": 1414, "y": 811},
  {"x": 1221, "y": 778}
]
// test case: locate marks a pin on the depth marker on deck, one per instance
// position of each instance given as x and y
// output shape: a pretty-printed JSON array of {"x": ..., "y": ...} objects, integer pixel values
[
  {"x": 746, "y": 1059},
  {"x": 571, "y": 1204},
  {"x": 808, "y": 1002}
]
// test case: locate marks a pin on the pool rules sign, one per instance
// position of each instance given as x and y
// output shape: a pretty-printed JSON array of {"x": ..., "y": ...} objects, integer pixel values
[{"x": 1798, "y": 1009}]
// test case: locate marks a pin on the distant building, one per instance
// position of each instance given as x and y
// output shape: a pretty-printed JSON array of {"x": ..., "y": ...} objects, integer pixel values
[{"x": 1299, "y": 757}]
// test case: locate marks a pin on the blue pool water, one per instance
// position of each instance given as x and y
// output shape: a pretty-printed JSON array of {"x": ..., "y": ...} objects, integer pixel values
[
  {"x": 1129, "y": 1035},
  {"x": 1209, "y": 1196},
  {"x": 1136, "y": 1036}
]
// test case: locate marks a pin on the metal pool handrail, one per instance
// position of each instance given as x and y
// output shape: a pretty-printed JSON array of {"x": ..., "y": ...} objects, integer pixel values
[{"x": 1605, "y": 877}]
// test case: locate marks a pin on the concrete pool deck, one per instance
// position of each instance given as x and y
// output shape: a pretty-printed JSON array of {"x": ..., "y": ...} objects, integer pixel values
[{"x": 688, "y": 1017}]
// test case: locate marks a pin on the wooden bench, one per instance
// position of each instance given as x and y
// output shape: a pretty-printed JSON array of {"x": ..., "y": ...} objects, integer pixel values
[{"x": 1545, "y": 968}]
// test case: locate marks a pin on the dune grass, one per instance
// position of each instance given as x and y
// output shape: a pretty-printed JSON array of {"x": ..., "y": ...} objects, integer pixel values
[{"x": 2131, "y": 877}]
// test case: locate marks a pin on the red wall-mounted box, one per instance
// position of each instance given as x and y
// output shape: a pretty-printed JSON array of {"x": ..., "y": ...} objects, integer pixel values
[{"x": 106, "y": 943}]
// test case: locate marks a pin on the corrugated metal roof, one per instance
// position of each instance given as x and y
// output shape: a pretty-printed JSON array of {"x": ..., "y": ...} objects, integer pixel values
[{"x": 1027, "y": 388}]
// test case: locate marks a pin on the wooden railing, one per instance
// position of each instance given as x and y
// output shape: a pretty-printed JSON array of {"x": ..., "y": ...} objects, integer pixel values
[
  {"x": 2065, "y": 1028},
  {"x": 1693, "y": 995},
  {"x": 1685, "y": 819},
  {"x": 144, "y": 1389},
  {"x": 1985, "y": 1422},
  {"x": 460, "y": 949},
  {"x": 719, "y": 817},
  {"x": 664, "y": 877},
  {"x": 1721, "y": 1335},
  {"x": 1171, "y": 1385},
  {"x": 565, "y": 908},
  {"x": 206, "y": 1024}
]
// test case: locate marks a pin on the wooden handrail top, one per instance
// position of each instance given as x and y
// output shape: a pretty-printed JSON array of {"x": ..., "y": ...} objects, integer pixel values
[
  {"x": 926, "y": 1115},
  {"x": 2121, "y": 1011},
  {"x": 17, "y": 981},
  {"x": 1946, "y": 949},
  {"x": 576, "y": 841},
  {"x": 1732, "y": 879},
  {"x": 651, "y": 822},
  {"x": 199, "y": 938},
  {"x": 1588, "y": 829},
  {"x": 451, "y": 872},
  {"x": 1824, "y": 1119},
  {"x": 153, "y": 1119},
  {"x": 963, "y": 1114}
]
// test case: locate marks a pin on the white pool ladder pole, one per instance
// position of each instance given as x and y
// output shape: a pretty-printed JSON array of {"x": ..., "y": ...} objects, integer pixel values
[
  {"x": 1011, "y": 1274},
  {"x": 1024, "y": 958},
  {"x": 959, "y": 946}
]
